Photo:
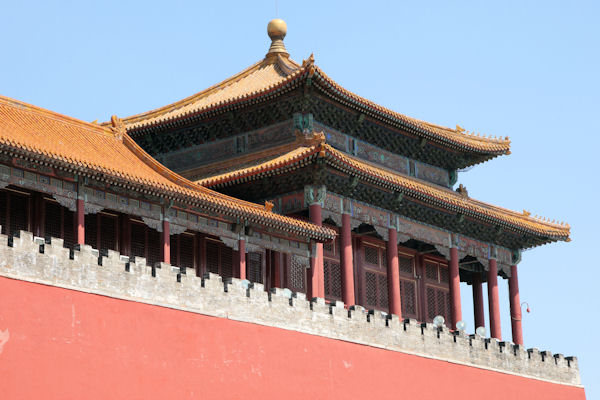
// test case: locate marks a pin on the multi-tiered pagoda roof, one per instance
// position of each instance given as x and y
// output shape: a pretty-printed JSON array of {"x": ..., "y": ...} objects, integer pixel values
[{"x": 277, "y": 87}]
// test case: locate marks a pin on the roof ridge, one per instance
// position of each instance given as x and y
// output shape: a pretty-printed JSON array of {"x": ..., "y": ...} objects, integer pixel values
[
  {"x": 101, "y": 129},
  {"x": 408, "y": 119},
  {"x": 290, "y": 73},
  {"x": 279, "y": 61}
]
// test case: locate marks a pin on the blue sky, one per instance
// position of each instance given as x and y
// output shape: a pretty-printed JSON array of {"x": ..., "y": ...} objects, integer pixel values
[{"x": 527, "y": 70}]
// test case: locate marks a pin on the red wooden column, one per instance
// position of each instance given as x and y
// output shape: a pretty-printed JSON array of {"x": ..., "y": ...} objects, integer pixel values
[
  {"x": 478, "y": 300},
  {"x": 455, "y": 306},
  {"x": 242, "y": 257},
  {"x": 515, "y": 306},
  {"x": 316, "y": 277},
  {"x": 347, "y": 262},
  {"x": 393, "y": 273},
  {"x": 166, "y": 242},
  {"x": 493, "y": 299},
  {"x": 80, "y": 222}
]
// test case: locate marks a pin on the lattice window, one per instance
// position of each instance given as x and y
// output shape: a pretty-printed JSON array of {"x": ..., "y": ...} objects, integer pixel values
[
  {"x": 3, "y": 211},
  {"x": 69, "y": 228},
  {"x": 186, "y": 251},
  {"x": 408, "y": 297},
  {"x": 19, "y": 205},
  {"x": 219, "y": 259},
  {"x": 296, "y": 276},
  {"x": 375, "y": 290},
  {"x": 212, "y": 257},
  {"x": 138, "y": 240},
  {"x": 255, "y": 273},
  {"x": 438, "y": 303},
  {"x": 382, "y": 289},
  {"x": 406, "y": 265},
  {"x": 431, "y": 271},
  {"x": 91, "y": 230},
  {"x": 226, "y": 262},
  {"x": 372, "y": 255},
  {"x": 328, "y": 248},
  {"x": 441, "y": 304},
  {"x": 108, "y": 232},
  {"x": 52, "y": 219},
  {"x": 371, "y": 289},
  {"x": 431, "y": 306},
  {"x": 153, "y": 246},
  {"x": 333, "y": 279},
  {"x": 448, "y": 310},
  {"x": 173, "y": 249},
  {"x": 444, "y": 275}
]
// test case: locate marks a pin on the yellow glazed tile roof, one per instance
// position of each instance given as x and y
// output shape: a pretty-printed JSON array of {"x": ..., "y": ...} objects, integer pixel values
[
  {"x": 277, "y": 75},
  {"x": 253, "y": 80},
  {"x": 108, "y": 152},
  {"x": 433, "y": 194}
]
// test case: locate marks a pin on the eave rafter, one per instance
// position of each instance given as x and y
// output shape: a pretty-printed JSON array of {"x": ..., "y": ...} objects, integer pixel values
[{"x": 400, "y": 189}]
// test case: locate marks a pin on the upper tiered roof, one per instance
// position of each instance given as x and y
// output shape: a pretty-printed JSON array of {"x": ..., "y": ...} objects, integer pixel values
[
  {"x": 109, "y": 154},
  {"x": 277, "y": 74}
]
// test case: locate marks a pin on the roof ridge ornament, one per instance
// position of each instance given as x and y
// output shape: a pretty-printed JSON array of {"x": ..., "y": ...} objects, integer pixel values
[
  {"x": 462, "y": 190},
  {"x": 118, "y": 127},
  {"x": 277, "y": 29}
]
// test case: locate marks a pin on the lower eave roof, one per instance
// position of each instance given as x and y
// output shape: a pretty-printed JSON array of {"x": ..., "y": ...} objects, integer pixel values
[
  {"x": 450, "y": 200},
  {"x": 109, "y": 153}
]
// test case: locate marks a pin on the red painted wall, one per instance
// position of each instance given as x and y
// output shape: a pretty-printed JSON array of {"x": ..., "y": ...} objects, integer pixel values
[{"x": 65, "y": 344}]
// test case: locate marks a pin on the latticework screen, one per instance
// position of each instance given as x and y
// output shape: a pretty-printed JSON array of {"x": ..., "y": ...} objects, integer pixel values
[
  {"x": 333, "y": 279},
  {"x": 52, "y": 219},
  {"x": 254, "y": 266},
  {"x": 437, "y": 294},
  {"x": 138, "y": 240},
  {"x": 296, "y": 276},
  {"x": 19, "y": 204},
  {"x": 212, "y": 257},
  {"x": 153, "y": 246},
  {"x": 91, "y": 230},
  {"x": 186, "y": 250},
  {"x": 408, "y": 295},
  {"x": 68, "y": 228},
  {"x": 108, "y": 232}
]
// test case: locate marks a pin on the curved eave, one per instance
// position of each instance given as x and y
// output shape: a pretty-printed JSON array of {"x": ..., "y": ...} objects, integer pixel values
[
  {"x": 448, "y": 200},
  {"x": 193, "y": 195},
  {"x": 445, "y": 136},
  {"x": 486, "y": 148}
]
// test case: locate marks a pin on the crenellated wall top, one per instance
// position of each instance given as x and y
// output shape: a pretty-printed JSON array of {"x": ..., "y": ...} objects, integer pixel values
[{"x": 29, "y": 259}]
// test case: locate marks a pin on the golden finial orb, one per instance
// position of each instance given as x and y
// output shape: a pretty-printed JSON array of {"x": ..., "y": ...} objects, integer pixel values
[{"x": 277, "y": 29}]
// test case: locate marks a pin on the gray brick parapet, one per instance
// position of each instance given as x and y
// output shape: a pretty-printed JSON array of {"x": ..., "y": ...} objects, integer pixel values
[{"x": 112, "y": 275}]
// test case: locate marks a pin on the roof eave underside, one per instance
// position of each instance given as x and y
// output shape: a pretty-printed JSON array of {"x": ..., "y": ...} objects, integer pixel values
[
  {"x": 553, "y": 232},
  {"x": 166, "y": 192}
]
